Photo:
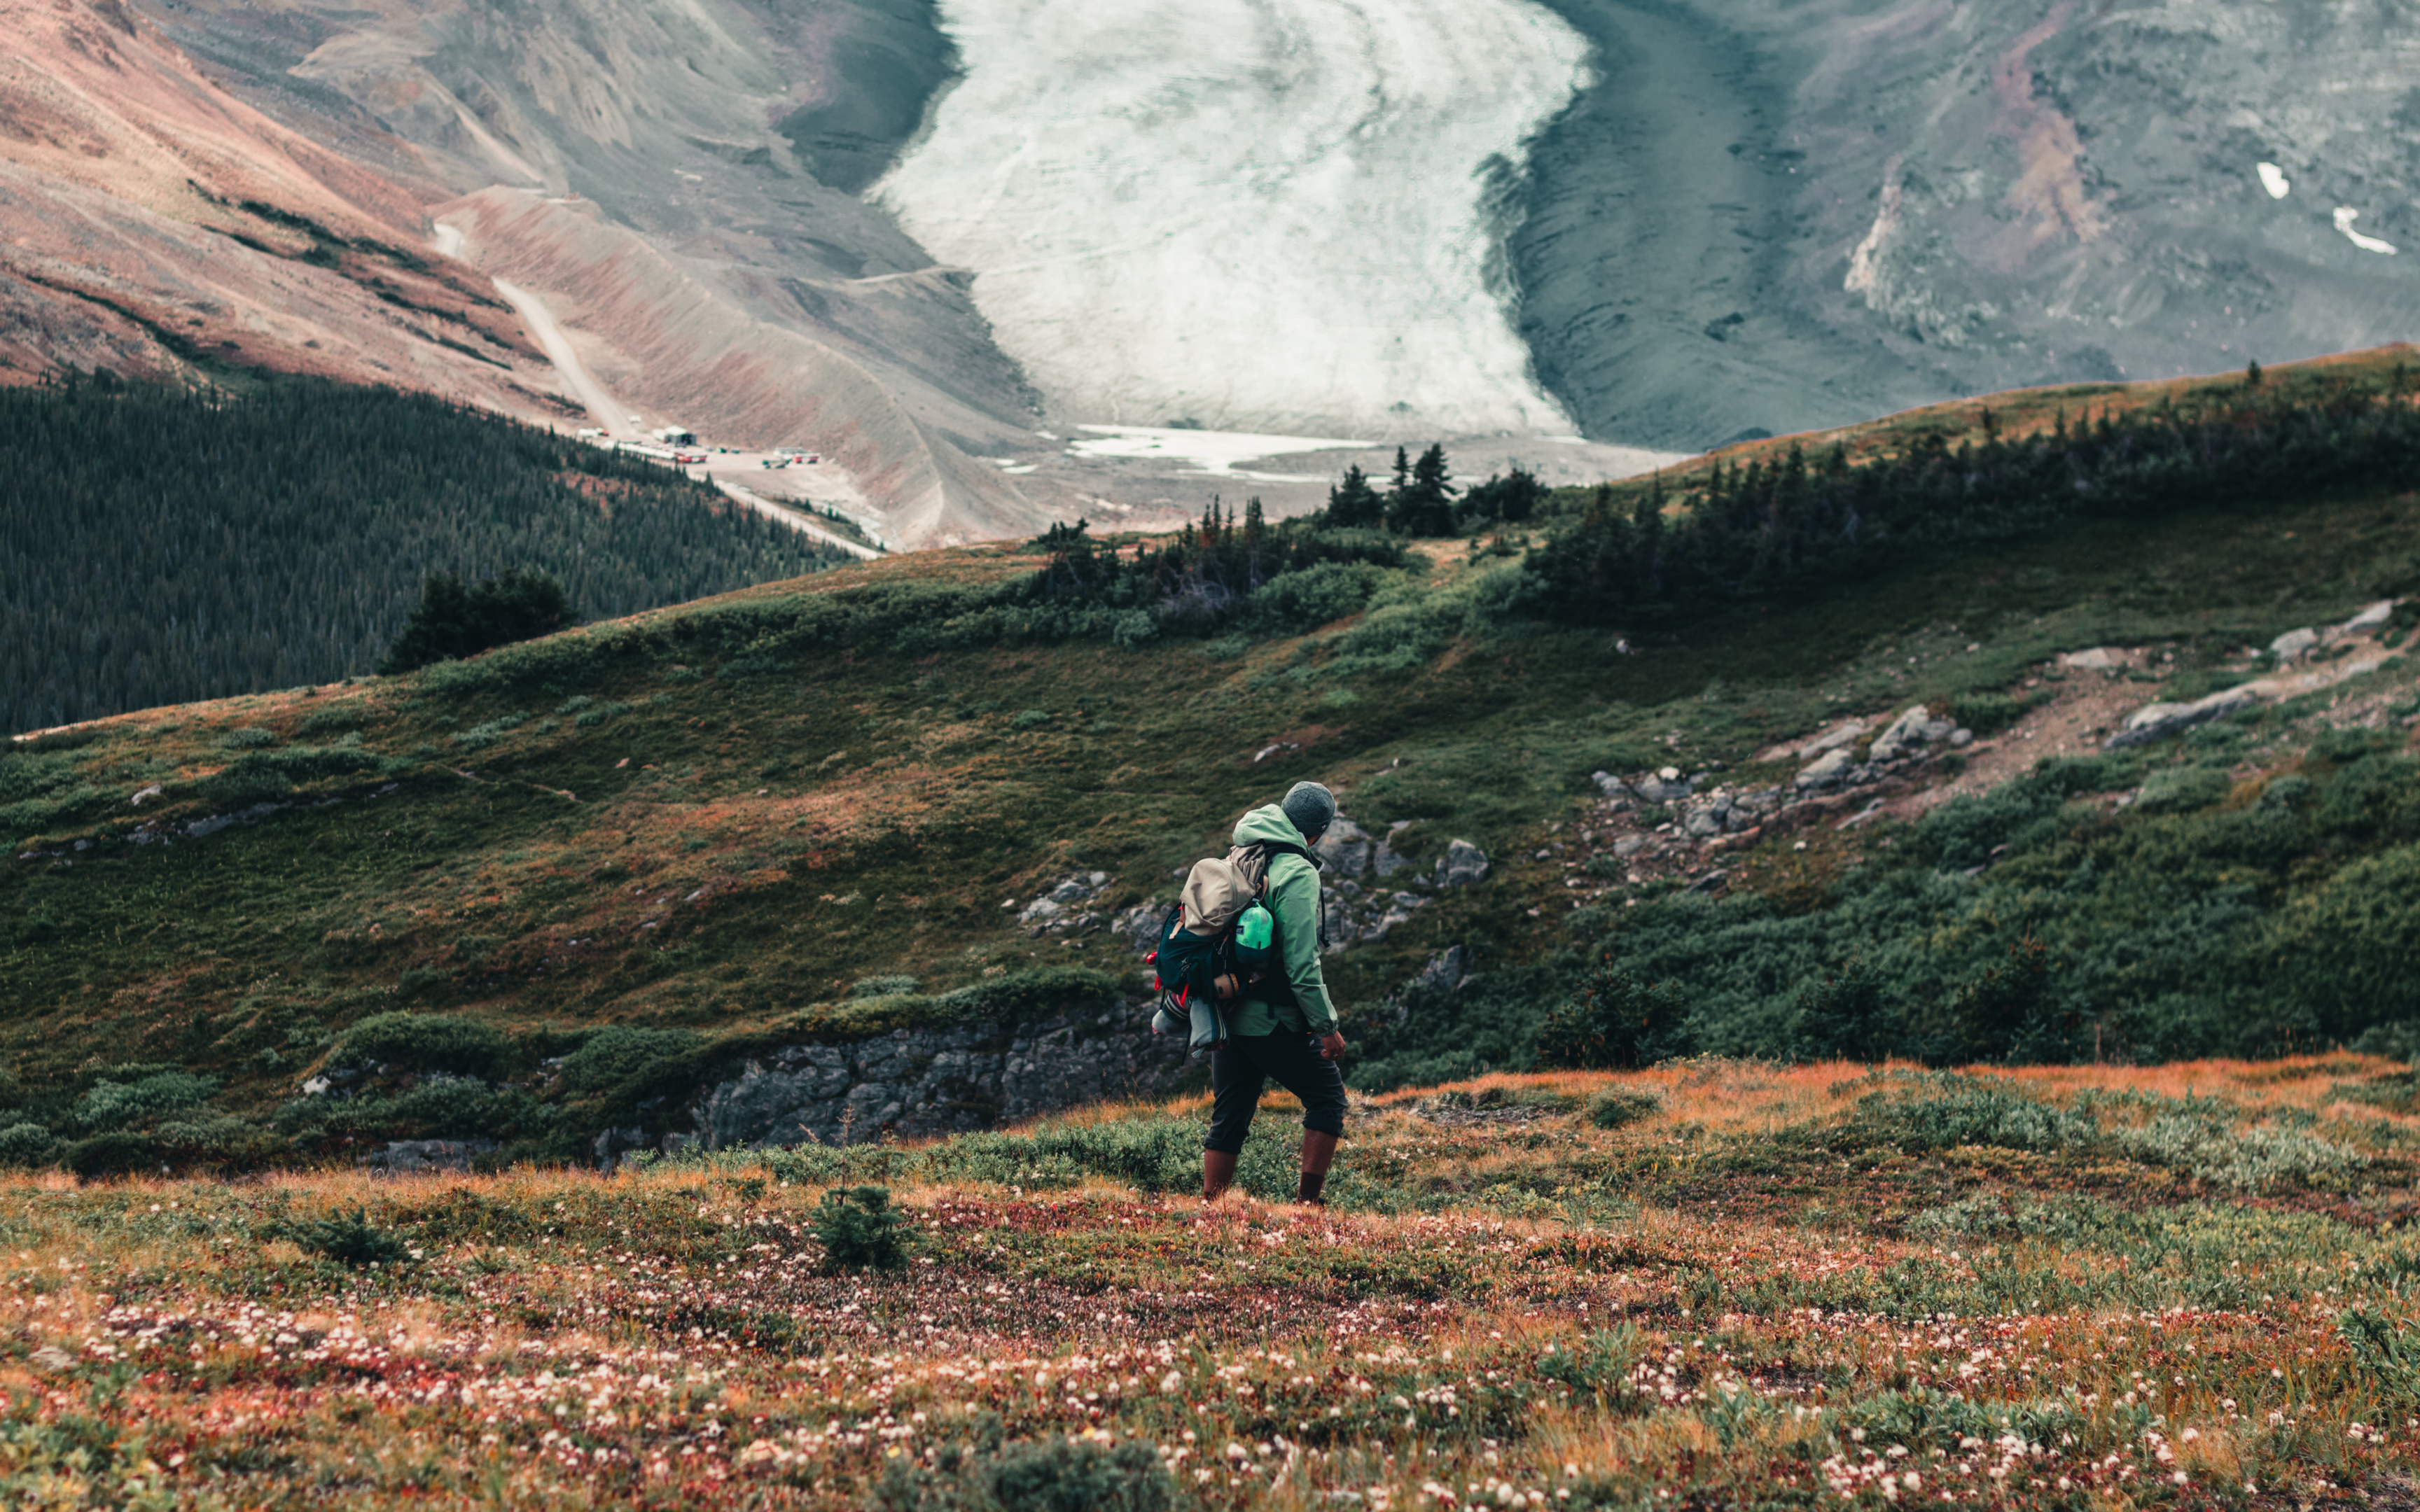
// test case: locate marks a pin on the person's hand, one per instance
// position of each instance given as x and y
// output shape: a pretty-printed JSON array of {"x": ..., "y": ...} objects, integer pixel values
[{"x": 1332, "y": 1048}]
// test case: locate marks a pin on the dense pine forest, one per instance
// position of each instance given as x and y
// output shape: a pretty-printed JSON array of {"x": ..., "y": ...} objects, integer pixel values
[{"x": 162, "y": 544}]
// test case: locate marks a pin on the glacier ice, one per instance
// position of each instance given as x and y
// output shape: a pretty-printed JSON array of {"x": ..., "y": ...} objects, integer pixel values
[{"x": 1256, "y": 215}]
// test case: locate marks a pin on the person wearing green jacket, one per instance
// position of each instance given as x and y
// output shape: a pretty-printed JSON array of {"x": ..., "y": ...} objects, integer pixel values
[{"x": 1285, "y": 1025}]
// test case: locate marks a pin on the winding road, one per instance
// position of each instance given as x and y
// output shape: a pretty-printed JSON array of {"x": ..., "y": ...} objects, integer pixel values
[{"x": 612, "y": 417}]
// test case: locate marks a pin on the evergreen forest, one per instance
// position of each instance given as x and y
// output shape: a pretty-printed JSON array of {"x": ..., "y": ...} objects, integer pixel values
[{"x": 164, "y": 544}]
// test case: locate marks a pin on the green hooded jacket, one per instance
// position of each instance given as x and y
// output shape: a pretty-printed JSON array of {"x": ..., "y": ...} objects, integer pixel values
[{"x": 1292, "y": 898}]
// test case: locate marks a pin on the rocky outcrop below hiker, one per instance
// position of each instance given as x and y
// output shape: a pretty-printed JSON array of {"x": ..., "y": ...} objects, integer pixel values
[{"x": 918, "y": 1083}]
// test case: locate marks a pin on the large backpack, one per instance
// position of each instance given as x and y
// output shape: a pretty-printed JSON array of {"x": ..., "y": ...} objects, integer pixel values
[{"x": 1218, "y": 927}]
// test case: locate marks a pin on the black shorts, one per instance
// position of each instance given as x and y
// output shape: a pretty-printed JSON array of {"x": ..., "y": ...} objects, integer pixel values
[{"x": 1239, "y": 1071}]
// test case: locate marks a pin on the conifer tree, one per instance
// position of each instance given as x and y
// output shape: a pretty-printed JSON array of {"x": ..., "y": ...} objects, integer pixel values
[
  {"x": 1354, "y": 504},
  {"x": 1424, "y": 504}
]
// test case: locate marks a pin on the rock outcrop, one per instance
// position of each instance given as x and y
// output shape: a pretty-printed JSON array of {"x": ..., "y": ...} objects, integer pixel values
[{"x": 926, "y": 1082}]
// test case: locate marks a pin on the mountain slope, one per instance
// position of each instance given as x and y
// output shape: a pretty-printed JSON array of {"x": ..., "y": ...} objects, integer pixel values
[
  {"x": 649, "y": 170},
  {"x": 157, "y": 222},
  {"x": 1773, "y": 216},
  {"x": 715, "y": 821}
]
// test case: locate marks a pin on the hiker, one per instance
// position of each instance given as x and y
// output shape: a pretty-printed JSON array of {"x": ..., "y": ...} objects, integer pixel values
[{"x": 1282, "y": 1024}]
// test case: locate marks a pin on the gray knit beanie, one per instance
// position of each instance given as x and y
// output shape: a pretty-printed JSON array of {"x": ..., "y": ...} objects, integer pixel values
[{"x": 1311, "y": 808}]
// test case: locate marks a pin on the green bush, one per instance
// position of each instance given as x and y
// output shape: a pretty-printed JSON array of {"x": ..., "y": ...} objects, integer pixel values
[
  {"x": 614, "y": 1059},
  {"x": 2388, "y": 1354},
  {"x": 427, "y": 1042},
  {"x": 111, "y": 1105},
  {"x": 1045, "y": 1476},
  {"x": 432, "y": 1110},
  {"x": 114, "y": 1154},
  {"x": 1614, "y": 1022},
  {"x": 891, "y": 986},
  {"x": 1064, "y": 1475},
  {"x": 348, "y": 1239},
  {"x": 858, "y": 1230},
  {"x": 2179, "y": 788},
  {"x": 1987, "y": 713},
  {"x": 248, "y": 738},
  {"x": 1618, "y": 1108},
  {"x": 242, "y": 785},
  {"x": 27, "y": 1145},
  {"x": 481, "y": 735},
  {"x": 336, "y": 719}
]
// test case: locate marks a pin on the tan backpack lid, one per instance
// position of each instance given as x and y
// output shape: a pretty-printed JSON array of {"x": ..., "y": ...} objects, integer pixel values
[{"x": 1216, "y": 894}]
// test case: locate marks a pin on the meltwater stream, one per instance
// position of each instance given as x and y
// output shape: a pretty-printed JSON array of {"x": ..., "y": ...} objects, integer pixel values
[{"x": 1279, "y": 215}]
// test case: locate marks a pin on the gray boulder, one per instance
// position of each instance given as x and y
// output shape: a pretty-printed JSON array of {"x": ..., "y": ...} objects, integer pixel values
[
  {"x": 1845, "y": 733},
  {"x": 1445, "y": 969},
  {"x": 1138, "y": 927},
  {"x": 1609, "y": 785},
  {"x": 1464, "y": 865},
  {"x": 2293, "y": 643},
  {"x": 1827, "y": 769},
  {"x": 1345, "y": 849},
  {"x": 423, "y": 1157},
  {"x": 2156, "y": 721}
]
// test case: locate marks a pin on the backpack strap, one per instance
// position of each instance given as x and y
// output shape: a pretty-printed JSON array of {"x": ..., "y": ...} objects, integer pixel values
[{"x": 1255, "y": 861}]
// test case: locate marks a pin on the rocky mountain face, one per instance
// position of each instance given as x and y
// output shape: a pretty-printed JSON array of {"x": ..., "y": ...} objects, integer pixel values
[
  {"x": 152, "y": 220},
  {"x": 1767, "y": 217},
  {"x": 650, "y": 173}
]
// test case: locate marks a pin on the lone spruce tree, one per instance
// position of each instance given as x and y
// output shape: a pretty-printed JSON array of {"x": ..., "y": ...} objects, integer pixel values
[
  {"x": 1424, "y": 504},
  {"x": 1353, "y": 502}
]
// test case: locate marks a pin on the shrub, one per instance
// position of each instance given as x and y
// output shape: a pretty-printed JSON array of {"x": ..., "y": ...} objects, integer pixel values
[
  {"x": 1845, "y": 1016},
  {"x": 615, "y": 1059},
  {"x": 348, "y": 1240},
  {"x": 24, "y": 1144},
  {"x": 1045, "y": 1476},
  {"x": 114, "y": 1104},
  {"x": 882, "y": 986},
  {"x": 859, "y": 1229},
  {"x": 1063, "y": 1475},
  {"x": 433, "y": 1110},
  {"x": 1987, "y": 712},
  {"x": 481, "y": 735},
  {"x": 242, "y": 785},
  {"x": 1618, "y": 1108},
  {"x": 1613, "y": 1023},
  {"x": 113, "y": 1154},
  {"x": 427, "y": 1042},
  {"x": 2180, "y": 789},
  {"x": 2388, "y": 1354},
  {"x": 334, "y": 719}
]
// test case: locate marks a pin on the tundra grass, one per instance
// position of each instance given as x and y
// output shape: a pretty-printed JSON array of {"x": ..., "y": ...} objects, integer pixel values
[{"x": 1508, "y": 1306}]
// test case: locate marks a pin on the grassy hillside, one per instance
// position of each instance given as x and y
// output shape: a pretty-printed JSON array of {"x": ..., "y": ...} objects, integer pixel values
[
  {"x": 1713, "y": 1285},
  {"x": 663, "y": 843}
]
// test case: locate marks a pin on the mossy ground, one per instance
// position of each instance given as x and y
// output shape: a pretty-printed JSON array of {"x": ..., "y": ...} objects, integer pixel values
[{"x": 1779, "y": 1287}]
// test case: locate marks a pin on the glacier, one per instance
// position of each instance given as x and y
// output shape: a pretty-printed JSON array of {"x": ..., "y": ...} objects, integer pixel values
[{"x": 1250, "y": 215}]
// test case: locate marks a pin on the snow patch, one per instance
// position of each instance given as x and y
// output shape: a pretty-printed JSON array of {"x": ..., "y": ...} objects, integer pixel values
[
  {"x": 1267, "y": 214},
  {"x": 2346, "y": 216},
  {"x": 2272, "y": 179}
]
